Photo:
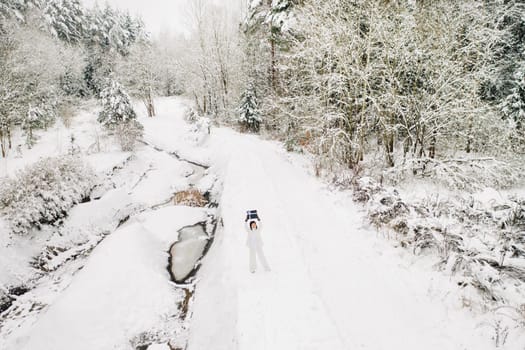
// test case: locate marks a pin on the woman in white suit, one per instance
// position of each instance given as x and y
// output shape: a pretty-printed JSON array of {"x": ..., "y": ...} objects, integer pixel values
[{"x": 254, "y": 243}]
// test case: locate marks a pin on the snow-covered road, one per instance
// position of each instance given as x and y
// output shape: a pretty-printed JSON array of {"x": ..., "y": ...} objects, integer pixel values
[{"x": 334, "y": 284}]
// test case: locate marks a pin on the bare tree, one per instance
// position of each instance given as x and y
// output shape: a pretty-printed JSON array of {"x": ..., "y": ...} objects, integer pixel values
[
  {"x": 140, "y": 72},
  {"x": 213, "y": 57}
]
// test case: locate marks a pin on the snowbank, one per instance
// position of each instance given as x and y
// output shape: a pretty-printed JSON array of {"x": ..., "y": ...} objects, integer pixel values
[{"x": 123, "y": 290}]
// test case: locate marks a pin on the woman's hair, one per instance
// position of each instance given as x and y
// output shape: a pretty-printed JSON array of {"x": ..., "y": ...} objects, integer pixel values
[{"x": 252, "y": 223}]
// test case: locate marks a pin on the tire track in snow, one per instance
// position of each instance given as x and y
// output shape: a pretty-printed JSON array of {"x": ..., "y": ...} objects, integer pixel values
[
  {"x": 298, "y": 238},
  {"x": 292, "y": 315}
]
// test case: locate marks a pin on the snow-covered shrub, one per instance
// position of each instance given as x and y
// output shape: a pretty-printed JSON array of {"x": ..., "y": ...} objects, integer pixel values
[
  {"x": 44, "y": 192},
  {"x": 387, "y": 207},
  {"x": 203, "y": 125},
  {"x": 190, "y": 115},
  {"x": 128, "y": 133},
  {"x": 457, "y": 174},
  {"x": 73, "y": 148},
  {"x": 480, "y": 243},
  {"x": 200, "y": 130},
  {"x": 364, "y": 189},
  {"x": 191, "y": 198}
]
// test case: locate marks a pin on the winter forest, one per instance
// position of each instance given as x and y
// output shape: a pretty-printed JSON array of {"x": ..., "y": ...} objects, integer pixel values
[{"x": 382, "y": 142}]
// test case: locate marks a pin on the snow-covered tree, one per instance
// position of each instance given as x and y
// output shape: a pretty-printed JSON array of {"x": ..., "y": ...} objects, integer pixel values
[
  {"x": 140, "y": 72},
  {"x": 403, "y": 76},
  {"x": 111, "y": 29},
  {"x": 212, "y": 58},
  {"x": 31, "y": 64},
  {"x": 109, "y": 36},
  {"x": 10, "y": 88},
  {"x": 514, "y": 105},
  {"x": 269, "y": 24},
  {"x": 116, "y": 105},
  {"x": 508, "y": 23},
  {"x": 72, "y": 82},
  {"x": 16, "y": 9},
  {"x": 249, "y": 114},
  {"x": 38, "y": 118},
  {"x": 99, "y": 65},
  {"x": 66, "y": 20},
  {"x": 117, "y": 114}
]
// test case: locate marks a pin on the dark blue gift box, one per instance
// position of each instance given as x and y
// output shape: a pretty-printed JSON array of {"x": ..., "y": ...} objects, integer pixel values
[{"x": 252, "y": 214}]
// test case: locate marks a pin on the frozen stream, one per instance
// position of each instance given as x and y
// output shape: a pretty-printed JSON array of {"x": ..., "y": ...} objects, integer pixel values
[
  {"x": 187, "y": 251},
  {"x": 193, "y": 241}
]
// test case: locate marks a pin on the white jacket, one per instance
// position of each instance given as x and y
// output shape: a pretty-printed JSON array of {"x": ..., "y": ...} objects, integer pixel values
[{"x": 253, "y": 238}]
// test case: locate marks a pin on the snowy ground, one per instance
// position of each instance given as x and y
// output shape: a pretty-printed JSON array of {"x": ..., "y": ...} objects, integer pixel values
[
  {"x": 124, "y": 289},
  {"x": 16, "y": 254},
  {"x": 335, "y": 283},
  {"x": 122, "y": 286}
]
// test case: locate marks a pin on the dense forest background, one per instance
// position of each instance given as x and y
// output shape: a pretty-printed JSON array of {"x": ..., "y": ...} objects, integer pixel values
[
  {"x": 360, "y": 84},
  {"x": 413, "y": 81}
]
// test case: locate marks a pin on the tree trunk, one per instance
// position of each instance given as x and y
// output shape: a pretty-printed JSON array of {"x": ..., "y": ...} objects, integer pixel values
[
  {"x": 432, "y": 148},
  {"x": 469, "y": 136},
  {"x": 360, "y": 154},
  {"x": 389, "y": 148},
  {"x": 273, "y": 69},
  {"x": 406, "y": 146},
  {"x": 30, "y": 138},
  {"x": 197, "y": 103},
  {"x": 422, "y": 142},
  {"x": 273, "y": 60},
  {"x": 9, "y": 137},
  {"x": 148, "y": 102},
  {"x": 2, "y": 142},
  {"x": 153, "y": 109}
]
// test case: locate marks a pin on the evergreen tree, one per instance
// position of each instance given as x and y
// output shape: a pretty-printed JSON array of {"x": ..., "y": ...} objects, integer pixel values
[
  {"x": 15, "y": 8},
  {"x": 110, "y": 29},
  {"x": 66, "y": 20},
  {"x": 250, "y": 117},
  {"x": 100, "y": 64},
  {"x": 118, "y": 115},
  {"x": 271, "y": 21},
  {"x": 514, "y": 104},
  {"x": 73, "y": 84},
  {"x": 40, "y": 117},
  {"x": 32, "y": 121},
  {"x": 281, "y": 15},
  {"x": 508, "y": 49},
  {"x": 116, "y": 106}
]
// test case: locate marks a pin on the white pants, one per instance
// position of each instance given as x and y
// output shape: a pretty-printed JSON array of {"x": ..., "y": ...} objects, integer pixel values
[{"x": 256, "y": 252}]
